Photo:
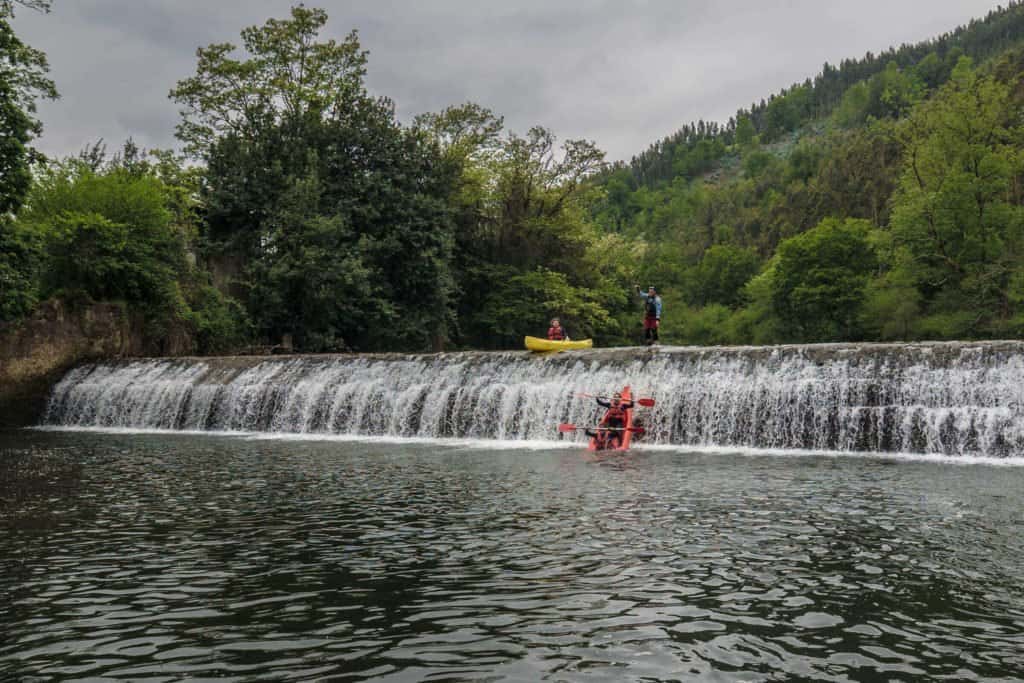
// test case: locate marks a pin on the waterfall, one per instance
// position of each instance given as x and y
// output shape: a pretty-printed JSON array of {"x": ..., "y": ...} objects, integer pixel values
[{"x": 953, "y": 398}]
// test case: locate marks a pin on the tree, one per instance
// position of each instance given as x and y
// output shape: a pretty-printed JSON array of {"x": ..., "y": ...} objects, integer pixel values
[
  {"x": 818, "y": 283},
  {"x": 465, "y": 132},
  {"x": 108, "y": 236},
  {"x": 518, "y": 205},
  {"x": 291, "y": 79},
  {"x": 534, "y": 186},
  {"x": 957, "y": 210},
  {"x": 20, "y": 254},
  {"x": 23, "y": 80},
  {"x": 722, "y": 273},
  {"x": 746, "y": 134},
  {"x": 527, "y": 300},
  {"x": 293, "y": 119},
  {"x": 859, "y": 174}
]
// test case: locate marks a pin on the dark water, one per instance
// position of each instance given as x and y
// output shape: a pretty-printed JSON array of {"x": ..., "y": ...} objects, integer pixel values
[{"x": 180, "y": 557}]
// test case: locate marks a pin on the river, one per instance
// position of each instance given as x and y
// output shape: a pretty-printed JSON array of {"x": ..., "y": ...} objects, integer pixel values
[{"x": 177, "y": 556}]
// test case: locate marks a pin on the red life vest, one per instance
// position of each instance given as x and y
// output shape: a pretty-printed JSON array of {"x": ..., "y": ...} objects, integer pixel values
[
  {"x": 615, "y": 415},
  {"x": 556, "y": 333}
]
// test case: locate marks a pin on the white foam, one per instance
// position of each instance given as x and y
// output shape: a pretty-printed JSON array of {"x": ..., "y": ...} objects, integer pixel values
[
  {"x": 954, "y": 400},
  {"x": 553, "y": 445}
]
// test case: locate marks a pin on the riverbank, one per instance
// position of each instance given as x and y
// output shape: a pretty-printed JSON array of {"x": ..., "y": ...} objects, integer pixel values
[{"x": 36, "y": 352}]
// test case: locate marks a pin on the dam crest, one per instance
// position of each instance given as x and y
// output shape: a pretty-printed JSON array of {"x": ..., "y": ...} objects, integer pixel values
[{"x": 954, "y": 398}]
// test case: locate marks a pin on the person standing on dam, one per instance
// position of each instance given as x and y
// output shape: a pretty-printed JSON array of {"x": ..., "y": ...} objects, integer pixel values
[{"x": 652, "y": 313}]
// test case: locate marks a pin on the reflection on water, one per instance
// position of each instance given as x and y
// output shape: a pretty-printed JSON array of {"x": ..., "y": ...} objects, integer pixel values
[{"x": 162, "y": 557}]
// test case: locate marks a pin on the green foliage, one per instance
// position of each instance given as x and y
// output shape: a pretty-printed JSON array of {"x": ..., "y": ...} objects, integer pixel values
[
  {"x": 926, "y": 153},
  {"x": 853, "y": 108},
  {"x": 858, "y": 173},
  {"x": 520, "y": 226},
  {"x": 519, "y": 302},
  {"x": 290, "y": 78},
  {"x": 786, "y": 112},
  {"x": 954, "y": 214},
  {"x": 818, "y": 282},
  {"x": 699, "y": 158},
  {"x": 890, "y": 93},
  {"x": 891, "y": 307},
  {"x": 932, "y": 71},
  {"x": 880, "y": 200},
  {"x": 722, "y": 273},
  {"x": 705, "y": 326},
  {"x": 313, "y": 279},
  {"x": 218, "y": 323},
  {"x": 108, "y": 236},
  {"x": 746, "y": 134},
  {"x": 20, "y": 253},
  {"x": 23, "y": 80},
  {"x": 338, "y": 213},
  {"x": 759, "y": 163},
  {"x": 116, "y": 230}
]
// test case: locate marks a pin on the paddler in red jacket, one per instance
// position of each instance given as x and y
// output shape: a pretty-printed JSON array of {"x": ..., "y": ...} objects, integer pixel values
[
  {"x": 556, "y": 332},
  {"x": 614, "y": 420}
]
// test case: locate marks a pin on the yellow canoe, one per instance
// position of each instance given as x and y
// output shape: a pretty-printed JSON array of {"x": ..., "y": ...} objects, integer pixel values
[{"x": 538, "y": 344}]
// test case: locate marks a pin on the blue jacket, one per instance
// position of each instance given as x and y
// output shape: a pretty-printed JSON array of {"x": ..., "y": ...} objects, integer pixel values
[{"x": 657, "y": 303}]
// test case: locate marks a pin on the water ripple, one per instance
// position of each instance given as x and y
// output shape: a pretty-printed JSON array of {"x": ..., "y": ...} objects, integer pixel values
[{"x": 179, "y": 558}]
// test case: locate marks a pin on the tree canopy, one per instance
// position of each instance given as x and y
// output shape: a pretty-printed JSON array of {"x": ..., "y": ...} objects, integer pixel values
[{"x": 880, "y": 199}]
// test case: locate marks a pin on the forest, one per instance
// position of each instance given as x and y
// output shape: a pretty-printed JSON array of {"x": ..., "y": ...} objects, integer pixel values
[{"x": 880, "y": 200}]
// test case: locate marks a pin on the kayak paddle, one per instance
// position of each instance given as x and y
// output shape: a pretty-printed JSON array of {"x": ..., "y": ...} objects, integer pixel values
[
  {"x": 566, "y": 427},
  {"x": 645, "y": 402}
]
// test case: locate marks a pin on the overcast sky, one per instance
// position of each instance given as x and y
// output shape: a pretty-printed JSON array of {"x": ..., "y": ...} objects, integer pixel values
[{"x": 617, "y": 72}]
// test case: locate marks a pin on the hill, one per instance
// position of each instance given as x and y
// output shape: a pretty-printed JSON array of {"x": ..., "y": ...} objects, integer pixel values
[{"x": 879, "y": 200}]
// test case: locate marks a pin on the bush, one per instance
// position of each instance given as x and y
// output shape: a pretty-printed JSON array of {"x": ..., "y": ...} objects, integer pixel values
[
  {"x": 19, "y": 263},
  {"x": 219, "y": 323}
]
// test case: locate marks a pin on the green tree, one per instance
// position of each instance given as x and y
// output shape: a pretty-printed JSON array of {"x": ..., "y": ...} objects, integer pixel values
[
  {"x": 527, "y": 300},
  {"x": 293, "y": 116},
  {"x": 20, "y": 256},
  {"x": 853, "y": 108},
  {"x": 786, "y": 112},
  {"x": 858, "y": 173},
  {"x": 519, "y": 205},
  {"x": 746, "y": 134},
  {"x": 932, "y": 71},
  {"x": 722, "y": 273},
  {"x": 23, "y": 80},
  {"x": 109, "y": 236},
  {"x": 290, "y": 78},
  {"x": 818, "y": 283},
  {"x": 957, "y": 210},
  {"x": 893, "y": 92}
]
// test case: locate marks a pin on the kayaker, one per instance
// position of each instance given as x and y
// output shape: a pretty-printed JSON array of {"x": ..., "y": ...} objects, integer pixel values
[
  {"x": 616, "y": 404},
  {"x": 556, "y": 332},
  {"x": 610, "y": 433},
  {"x": 652, "y": 313}
]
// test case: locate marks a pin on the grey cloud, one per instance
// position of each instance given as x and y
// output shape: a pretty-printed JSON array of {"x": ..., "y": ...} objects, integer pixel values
[{"x": 623, "y": 74}]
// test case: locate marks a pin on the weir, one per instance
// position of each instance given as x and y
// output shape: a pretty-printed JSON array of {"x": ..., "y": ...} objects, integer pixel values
[{"x": 953, "y": 398}]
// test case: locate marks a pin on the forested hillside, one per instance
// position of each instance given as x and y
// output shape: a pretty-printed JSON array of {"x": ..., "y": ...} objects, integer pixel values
[{"x": 879, "y": 200}]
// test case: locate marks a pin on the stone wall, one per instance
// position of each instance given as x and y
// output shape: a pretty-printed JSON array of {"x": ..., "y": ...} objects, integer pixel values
[{"x": 36, "y": 352}]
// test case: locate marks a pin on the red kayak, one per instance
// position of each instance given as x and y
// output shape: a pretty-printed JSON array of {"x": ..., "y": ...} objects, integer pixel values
[{"x": 617, "y": 439}]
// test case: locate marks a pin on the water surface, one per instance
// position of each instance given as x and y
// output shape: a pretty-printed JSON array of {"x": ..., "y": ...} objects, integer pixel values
[{"x": 163, "y": 557}]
